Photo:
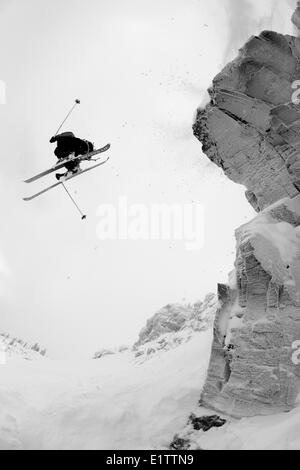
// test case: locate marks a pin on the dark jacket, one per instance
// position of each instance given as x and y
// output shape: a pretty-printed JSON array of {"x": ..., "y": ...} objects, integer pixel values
[{"x": 67, "y": 143}]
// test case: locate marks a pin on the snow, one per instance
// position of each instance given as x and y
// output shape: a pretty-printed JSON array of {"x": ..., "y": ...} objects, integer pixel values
[
  {"x": 132, "y": 398},
  {"x": 276, "y": 243},
  {"x": 123, "y": 402},
  {"x": 278, "y": 432},
  {"x": 112, "y": 403}
]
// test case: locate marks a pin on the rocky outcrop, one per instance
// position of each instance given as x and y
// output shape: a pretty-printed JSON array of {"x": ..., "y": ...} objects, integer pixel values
[
  {"x": 168, "y": 319},
  {"x": 251, "y": 368},
  {"x": 110, "y": 351},
  {"x": 175, "y": 317},
  {"x": 174, "y": 325},
  {"x": 17, "y": 348},
  {"x": 251, "y": 129}
]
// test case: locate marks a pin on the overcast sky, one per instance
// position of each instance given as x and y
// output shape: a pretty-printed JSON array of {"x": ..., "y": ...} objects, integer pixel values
[{"x": 140, "y": 68}]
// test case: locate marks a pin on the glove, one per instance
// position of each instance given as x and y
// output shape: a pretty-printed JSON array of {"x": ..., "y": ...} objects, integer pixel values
[{"x": 53, "y": 139}]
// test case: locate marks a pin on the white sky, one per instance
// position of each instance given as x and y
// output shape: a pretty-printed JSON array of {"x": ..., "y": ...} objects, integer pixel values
[{"x": 140, "y": 68}]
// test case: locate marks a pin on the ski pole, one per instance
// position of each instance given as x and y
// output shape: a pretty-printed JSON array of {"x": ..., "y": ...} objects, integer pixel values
[
  {"x": 74, "y": 202},
  {"x": 71, "y": 110}
]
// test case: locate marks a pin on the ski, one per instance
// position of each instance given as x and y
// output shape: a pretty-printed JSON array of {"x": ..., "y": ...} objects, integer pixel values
[
  {"x": 63, "y": 181},
  {"x": 61, "y": 164}
]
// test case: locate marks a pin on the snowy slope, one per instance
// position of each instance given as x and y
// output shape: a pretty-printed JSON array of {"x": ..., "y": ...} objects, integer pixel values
[
  {"x": 277, "y": 432},
  {"x": 127, "y": 400},
  {"x": 112, "y": 403}
]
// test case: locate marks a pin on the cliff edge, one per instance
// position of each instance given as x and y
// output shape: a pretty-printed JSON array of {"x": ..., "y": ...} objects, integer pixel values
[{"x": 251, "y": 129}]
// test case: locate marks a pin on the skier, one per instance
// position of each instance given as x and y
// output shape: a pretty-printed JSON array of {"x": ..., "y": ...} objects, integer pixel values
[
  {"x": 70, "y": 151},
  {"x": 69, "y": 146}
]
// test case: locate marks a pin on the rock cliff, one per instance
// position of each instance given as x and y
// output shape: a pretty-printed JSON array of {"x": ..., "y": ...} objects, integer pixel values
[
  {"x": 176, "y": 317},
  {"x": 251, "y": 129}
]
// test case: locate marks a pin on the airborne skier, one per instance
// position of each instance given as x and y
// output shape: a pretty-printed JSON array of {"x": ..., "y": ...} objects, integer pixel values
[
  {"x": 70, "y": 151},
  {"x": 69, "y": 146}
]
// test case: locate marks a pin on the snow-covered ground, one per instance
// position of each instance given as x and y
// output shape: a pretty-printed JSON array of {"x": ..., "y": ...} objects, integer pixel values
[
  {"x": 112, "y": 403},
  {"x": 278, "y": 432},
  {"x": 118, "y": 402},
  {"x": 131, "y": 398},
  {"x": 275, "y": 432}
]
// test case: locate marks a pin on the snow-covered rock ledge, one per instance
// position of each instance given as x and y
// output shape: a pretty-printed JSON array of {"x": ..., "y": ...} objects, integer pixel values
[
  {"x": 253, "y": 368},
  {"x": 251, "y": 128}
]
